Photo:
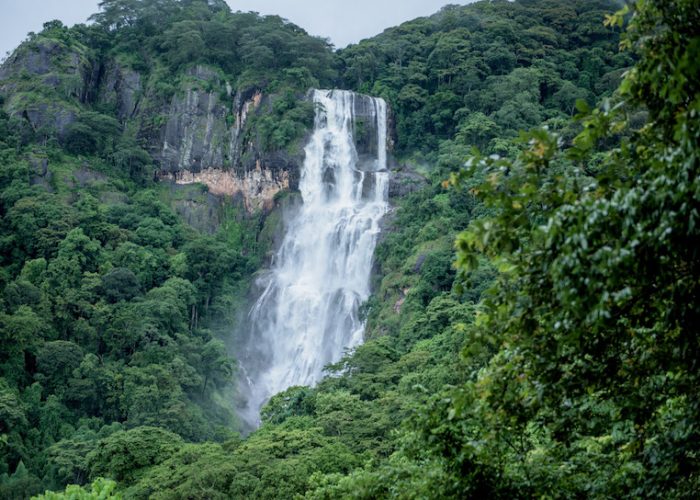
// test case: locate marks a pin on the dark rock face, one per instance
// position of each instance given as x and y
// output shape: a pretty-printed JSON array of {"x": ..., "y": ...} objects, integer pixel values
[
  {"x": 365, "y": 111},
  {"x": 121, "y": 88},
  {"x": 198, "y": 136},
  {"x": 38, "y": 58},
  {"x": 203, "y": 141},
  {"x": 419, "y": 263},
  {"x": 198, "y": 133},
  {"x": 365, "y": 125},
  {"x": 404, "y": 181},
  {"x": 60, "y": 78},
  {"x": 53, "y": 117}
]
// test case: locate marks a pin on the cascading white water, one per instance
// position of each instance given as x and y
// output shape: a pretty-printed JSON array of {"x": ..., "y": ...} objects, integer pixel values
[{"x": 307, "y": 314}]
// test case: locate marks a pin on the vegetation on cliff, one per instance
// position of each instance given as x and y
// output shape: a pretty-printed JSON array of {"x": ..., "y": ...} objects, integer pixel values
[
  {"x": 114, "y": 311},
  {"x": 556, "y": 358}
]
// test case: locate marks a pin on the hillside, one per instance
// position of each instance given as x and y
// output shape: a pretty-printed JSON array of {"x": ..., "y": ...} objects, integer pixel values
[{"x": 531, "y": 327}]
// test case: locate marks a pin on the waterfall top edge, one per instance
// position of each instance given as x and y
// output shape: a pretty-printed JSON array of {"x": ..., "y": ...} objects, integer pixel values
[{"x": 329, "y": 92}]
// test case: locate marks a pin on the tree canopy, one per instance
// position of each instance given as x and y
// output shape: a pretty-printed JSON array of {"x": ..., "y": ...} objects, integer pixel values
[{"x": 532, "y": 327}]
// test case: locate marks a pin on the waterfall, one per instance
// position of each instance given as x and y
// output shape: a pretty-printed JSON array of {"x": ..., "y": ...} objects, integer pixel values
[{"x": 307, "y": 313}]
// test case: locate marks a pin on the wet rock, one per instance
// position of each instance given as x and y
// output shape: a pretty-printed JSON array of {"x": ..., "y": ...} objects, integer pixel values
[
  {"x": 202, "y": 142},
  {"x": 36, "y": 58},
  {"x": 204, "y": 73},
  {"x": 244, "y": 103},
  {"x": 195, "y": 133},
  {"x": 61, "y": 70},
  {"x": 364, "y": 128},
  {"x": 365, "y": 125}
]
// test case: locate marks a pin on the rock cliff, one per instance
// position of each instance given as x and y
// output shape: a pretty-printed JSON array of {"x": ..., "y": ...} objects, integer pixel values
[
  {"x": 45, "y": 82},
  {"x": 201, "y": 132},
  {"x": 204, "y": 141},
  {"x": 120, "y": 88}
]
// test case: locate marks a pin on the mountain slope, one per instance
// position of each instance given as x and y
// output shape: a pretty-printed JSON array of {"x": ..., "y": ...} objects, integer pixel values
[{"x": 488, "y": 379}]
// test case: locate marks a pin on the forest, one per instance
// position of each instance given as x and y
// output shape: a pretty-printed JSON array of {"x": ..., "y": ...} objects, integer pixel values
[{"x": 530, "y": 332}]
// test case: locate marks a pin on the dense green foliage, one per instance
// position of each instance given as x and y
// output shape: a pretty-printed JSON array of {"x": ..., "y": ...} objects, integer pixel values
[
  {"x": 100, "y": 489},
  {"x": 108, "y": 306},
  {"x": 557, "y": 358},
  {"x": 580, "y": 370},
  {"x": 257, "y": 50},
  {"x": 480, "y": 74},
  {"x": 114, "y": 312}
]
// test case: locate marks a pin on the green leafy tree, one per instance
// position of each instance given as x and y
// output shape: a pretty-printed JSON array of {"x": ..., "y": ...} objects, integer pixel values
[
  {"x": 20, "y": 333},
  {"x": 477, "y": 130},
  {"x": 120, "y": 284},
  {"x": 183, "y": 43},
  {"x": 100, "y": 489},
  {"x": 20, "y": 484},
  {"x": 217, "y": 366},
  {"x": 122, "y": 454},
  {"x": 92, "y": 132},
  {"x": 567, "y": 97},
  {"x": 589, "y": 290},
  {"x": 56, "y": 361}
]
